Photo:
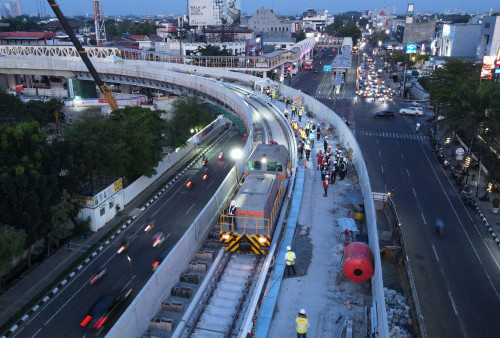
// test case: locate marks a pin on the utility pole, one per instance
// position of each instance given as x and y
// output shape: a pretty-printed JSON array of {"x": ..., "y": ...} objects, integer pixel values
[{"x": 404, "y": 83}]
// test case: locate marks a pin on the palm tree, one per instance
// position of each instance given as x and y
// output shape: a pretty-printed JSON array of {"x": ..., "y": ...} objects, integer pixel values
[{"x": 474, "y": 110}]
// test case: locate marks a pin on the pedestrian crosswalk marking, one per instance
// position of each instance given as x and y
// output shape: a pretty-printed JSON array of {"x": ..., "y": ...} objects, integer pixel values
[
  {"x": 348, "y": 97},
  {"x": 393, "y": 135}
]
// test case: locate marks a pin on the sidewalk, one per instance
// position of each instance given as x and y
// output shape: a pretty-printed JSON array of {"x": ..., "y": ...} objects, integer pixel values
[
  {"x": 479, "y": 184},
  {"x": 41, "y": 276},
  {"x": 320, "y": 287}
]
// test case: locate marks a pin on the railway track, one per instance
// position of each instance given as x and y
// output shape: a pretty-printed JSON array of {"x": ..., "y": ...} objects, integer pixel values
[{"x": 215, "y": 304}]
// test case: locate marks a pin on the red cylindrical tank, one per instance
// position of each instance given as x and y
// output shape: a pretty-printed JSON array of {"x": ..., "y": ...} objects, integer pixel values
[{"x": 358, "y": 262}]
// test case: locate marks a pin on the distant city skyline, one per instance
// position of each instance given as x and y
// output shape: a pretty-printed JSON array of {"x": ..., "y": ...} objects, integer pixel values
[{"x": 281, "y": 7}]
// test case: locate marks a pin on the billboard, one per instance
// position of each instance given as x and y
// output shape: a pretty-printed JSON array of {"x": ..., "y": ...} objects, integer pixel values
[
  {"x": 488, "y": 67},
  {"x": 411, "y": 48},
  {"x": 214, "y": 12}
]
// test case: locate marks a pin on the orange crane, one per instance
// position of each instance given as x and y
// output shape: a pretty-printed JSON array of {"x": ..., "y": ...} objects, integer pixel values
[{"x": 105, "y": 90}]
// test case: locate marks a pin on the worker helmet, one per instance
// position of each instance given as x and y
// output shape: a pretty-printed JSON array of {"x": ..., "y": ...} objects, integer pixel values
[
  {"x": 289, "y": 248},
  {"x": 233, "y": 203},
  {"x": 302, "y": 311}
]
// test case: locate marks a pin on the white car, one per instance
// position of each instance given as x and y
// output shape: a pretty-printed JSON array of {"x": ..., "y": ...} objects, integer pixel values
[{"x": 416, "y": 111}]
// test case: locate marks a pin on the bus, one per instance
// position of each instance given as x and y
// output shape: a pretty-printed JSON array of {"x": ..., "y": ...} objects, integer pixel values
[{"x": 308, "y": 64}]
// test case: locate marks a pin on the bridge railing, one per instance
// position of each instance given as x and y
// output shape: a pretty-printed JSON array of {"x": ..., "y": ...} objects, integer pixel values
[{"x": 117, "y": 55}]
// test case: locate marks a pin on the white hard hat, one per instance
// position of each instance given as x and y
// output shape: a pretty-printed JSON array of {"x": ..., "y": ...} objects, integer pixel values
[
  {"x": 289, "y": 248},
  {"x": 302, "y": 311},
  {"x": 233, "y": 202}
]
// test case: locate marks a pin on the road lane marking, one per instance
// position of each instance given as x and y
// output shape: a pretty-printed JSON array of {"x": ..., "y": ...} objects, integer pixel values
[
  {"x": 379, "y": 154},
  {"x": 187, "y": 212},
  {"x": 415, "y": 193},
  {"x": 402, "y": 156},
  {"x": 453, "y": 303},
  {"x": 435, "y": 253},
  {"x": 208, "y": 186},
  {"x": 168, "y": 200},
  {"x": 461, "y": 224},
  {"x": 423, "y": 217},
  {"x": 382, "y": 167},
  {"x": 407, "y": 172}
]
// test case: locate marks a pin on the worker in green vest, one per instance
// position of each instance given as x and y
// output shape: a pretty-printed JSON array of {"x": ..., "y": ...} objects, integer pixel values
[
  {"x": 302, "y": 324},
  {"x": 301, "y": 112}
]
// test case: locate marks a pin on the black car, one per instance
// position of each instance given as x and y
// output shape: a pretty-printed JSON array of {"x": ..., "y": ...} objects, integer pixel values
[
  {"x": 384, "y": 114},
  {"x": 104, "y": 308}
]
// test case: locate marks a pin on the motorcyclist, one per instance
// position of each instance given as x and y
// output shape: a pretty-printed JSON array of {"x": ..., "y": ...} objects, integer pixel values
[
  {"x": 221, "y": 155},
  {"x": 439, "y": 227},
  {"x": 204, "y": 160}
]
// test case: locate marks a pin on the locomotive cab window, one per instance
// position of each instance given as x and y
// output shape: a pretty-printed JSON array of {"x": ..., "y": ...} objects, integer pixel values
[
  {"x": 274, "y": 166},
  {"x": 254, "y": 165}
]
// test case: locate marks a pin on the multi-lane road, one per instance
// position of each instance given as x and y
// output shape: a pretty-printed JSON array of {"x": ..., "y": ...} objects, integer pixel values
[
  {"x": 173, "y": 213},
  {"x": 457, "y": 277}
]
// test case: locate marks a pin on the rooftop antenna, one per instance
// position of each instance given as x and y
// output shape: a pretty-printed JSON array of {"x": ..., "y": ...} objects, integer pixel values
[{"x": 100, "y": 27}]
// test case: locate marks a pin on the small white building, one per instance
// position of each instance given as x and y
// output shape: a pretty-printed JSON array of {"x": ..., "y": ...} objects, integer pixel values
[
  {"x": 273, "y": 28},
  {"x": 103, "y": 206},
  {"x": 317, "y": 19}
]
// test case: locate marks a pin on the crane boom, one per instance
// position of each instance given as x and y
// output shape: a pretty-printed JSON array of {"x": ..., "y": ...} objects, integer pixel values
[{"x": 105, "y": 90}]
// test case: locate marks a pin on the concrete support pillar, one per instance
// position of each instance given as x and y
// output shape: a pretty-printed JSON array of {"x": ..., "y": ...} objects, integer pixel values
[
  {"x": 282, "y": 73},
  {"x": 11, "y": 80},
  {"x": 4, "y": 81},
  {"x": 264, "y": 75}
]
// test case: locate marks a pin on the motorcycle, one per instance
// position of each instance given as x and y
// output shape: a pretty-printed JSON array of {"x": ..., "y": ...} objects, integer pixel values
[
  {"x": 189, "y": 183},
  {"x": 439, "y": 228},
  {"x": 221, "y": 155},
  {"x": 98, "y": 275},
  {"x": 470, "y": 202}
]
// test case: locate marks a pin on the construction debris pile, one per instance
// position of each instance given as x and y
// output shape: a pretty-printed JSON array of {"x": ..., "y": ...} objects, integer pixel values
[{"x": 398, "y": 313}]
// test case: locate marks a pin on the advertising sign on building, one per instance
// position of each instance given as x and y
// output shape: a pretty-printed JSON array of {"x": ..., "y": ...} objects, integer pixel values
[
  {"x": 214, "y": 12},
  {"x": 488, "y": 67},
  {"x": 411, "y": 48}
]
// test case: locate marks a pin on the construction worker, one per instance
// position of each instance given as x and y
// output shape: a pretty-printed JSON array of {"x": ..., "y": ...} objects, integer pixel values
[
  {"x": 307, "y": 148},
  {"x": 290, "y": 261},
  {"x": 286, "y": 113},
  {"x": 301, "y": 112},
  {"x": 302, "y": 324},
  {"x": 294, "y": 107},
  {"x": 308, "y": 128},
  {"x": 232, "y": 213}
]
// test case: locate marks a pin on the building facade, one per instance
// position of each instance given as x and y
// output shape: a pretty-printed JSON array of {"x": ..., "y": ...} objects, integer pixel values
[
  {"x": 459, "y": 40},
  {"x": 489, "y": 44},
  {"x": 317, "y": 19},
  {"x": 418, "y": 31},
  {"x": 272, "y": 27}
]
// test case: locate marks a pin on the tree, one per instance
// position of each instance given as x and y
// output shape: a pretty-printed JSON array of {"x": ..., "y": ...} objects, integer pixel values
[
  {"x": 350, "y": 30},
  {"x": 302, "y": 36},
  {"x": 28, "y": 180},
  {"x": 11, "y": 108},
  {"x": 211, "y": 50},
  {"x": 136, "y": 144},
  {"x": 474, "y": 109},
  {"x": 61, "y": 214},
  {"x": 189, "y": 112},
  {"x": 11, "y": 245},
  {"x": 444, "y": 81},
  {"x": 86, "y": 148},
  {"x": 377, "y": 36},
  {"x": 363, "y": 22}
]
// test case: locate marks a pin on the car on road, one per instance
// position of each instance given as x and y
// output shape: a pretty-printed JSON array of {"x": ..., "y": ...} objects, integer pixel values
[
  {"x": 415, "y": 111},
  {"x": 384, "y": 114},
  {"x": 98, "y": 275},
  {"x": 158, "y": 238},
  {"x": 125, "y": 243},
  {"x": 161, "y": 257},
  {"x": 104, "y": 308}
]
